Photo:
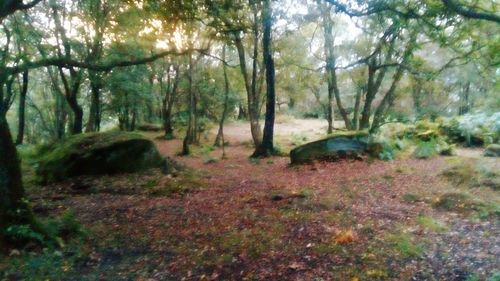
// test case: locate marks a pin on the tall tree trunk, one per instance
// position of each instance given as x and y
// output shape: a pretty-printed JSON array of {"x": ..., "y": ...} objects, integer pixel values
[
  {"x": 266, "y": 148},
  {"x": 11, "y": 186},
  {"x": 333, "y": 90},
  {"x": 374, "y": 82},
  {"x": 387, "y": 101},
  {"x": 22, "y": 109},
  {"x": 253, "y": 108},
  {"x": 77, "y": 125},
  {"x": 191, "y": 129},
  {"x": 61, "y": 116},
  {"x": 94, "y": 122},
  {"x": 220, "y": 132},
  {"x": 242, "y": 114},
  {"x": 168, "y": 102},
  {"x": 390, "y": 96},
  {"x": 464, "y": 100},
  {"x": 416, "y": 95},
  {"x": 357, "y": 103}
]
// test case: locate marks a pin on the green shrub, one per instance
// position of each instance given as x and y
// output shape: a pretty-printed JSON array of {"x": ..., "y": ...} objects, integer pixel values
[{"x": 425, "y": 149}]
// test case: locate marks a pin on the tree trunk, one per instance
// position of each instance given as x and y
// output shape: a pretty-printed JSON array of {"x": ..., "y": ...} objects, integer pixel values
[
  {"x": 191, "y": 130},
  {"x": 13, "y": 208},
  {"x": 333, "y": 90},
  {"x": 242, "y": 114},
  {"x": 266, "y": 148},
  {"x": 387, "y": 101},
  {"x": 220, "y": 132},
  {"x": 252, "y": 100},
  {"x": 22, "y": 109},
  {"x": 94, "y": 122},
  {"x": 464, "y": 100},
  {"x": 390, "y": 96},
  {"x": 357, "y": 103},
  {"x": 168, "y": 100},
  {"x": 416, "y": 95}
]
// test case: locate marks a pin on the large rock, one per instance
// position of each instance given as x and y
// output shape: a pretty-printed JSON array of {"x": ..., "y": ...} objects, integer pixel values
[
  {"x": 333, "y": 147},
  {"x": 492, "y": 150},
  {"x": 95, "y": 154}
]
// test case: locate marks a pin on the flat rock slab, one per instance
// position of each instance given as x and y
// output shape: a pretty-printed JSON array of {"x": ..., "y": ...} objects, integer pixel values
[{"x": 331, "y": 148}]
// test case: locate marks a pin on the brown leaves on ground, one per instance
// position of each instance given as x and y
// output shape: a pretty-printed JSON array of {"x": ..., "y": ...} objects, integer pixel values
[
  {"x": 345, "y": 236},
  {"x": 265, "y": 220}
]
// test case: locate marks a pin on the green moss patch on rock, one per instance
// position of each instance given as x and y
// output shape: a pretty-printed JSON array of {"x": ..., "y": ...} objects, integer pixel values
[
  {"x": 333, "y": 147},
  {"x": 95, "y": 154},
  {"x": 492, "y": 150}
]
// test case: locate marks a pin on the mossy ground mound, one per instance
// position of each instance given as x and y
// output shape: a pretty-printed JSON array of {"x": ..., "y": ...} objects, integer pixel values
[
  {"x": 149, "y": 127},
  {"x": 333, "y": 147},
  {"x": 95, "y": 154}
]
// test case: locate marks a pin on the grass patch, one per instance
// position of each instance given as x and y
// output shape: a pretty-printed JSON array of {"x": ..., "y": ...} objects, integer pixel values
[
  {"x": 455, "y": 201},
  {"x": 470, "y": 174},
  {"x": 251, "y": 242},
  {"x": 187, "y": 181},
  {"x": 404, "y": 244},
  {"x": 431, "y": 224},
  {"x": 411, "y": 198}
]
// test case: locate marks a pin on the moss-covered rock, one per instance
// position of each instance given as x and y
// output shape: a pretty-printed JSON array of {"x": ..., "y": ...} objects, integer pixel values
[
  {"x": 492, "y": 150},
  {"x": 96, "y": 153},
  {"x": 333, "y": 147}
]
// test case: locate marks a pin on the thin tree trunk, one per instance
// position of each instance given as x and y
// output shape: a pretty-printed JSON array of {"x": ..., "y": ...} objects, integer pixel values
[
  {"x": 266, "y": 148},
  {"x": 168, "y": 103},
  {"x": 331, "y": 71},
  {"x": 94, "y": 122},
  {"x": 220, "y": 132},
  {"x": 357, "y": 103},
  {"x": 190, "y": 132},
  {"x": 252, "y": 105},
  {"x": 327, "y": 29},
  {"x": 22, "y": 109}
]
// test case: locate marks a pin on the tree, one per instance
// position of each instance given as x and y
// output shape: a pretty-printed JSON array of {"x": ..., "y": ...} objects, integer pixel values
[{"x": 266, "y": 148}]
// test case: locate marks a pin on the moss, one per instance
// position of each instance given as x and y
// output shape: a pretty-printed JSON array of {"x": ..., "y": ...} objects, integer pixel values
[
  {"x": 183, "y": 183},
  {"x": 454, "y": 201},
  {"x": 431, "y": 224},
  {"x": 492, "y": 150},
  {"x": 348, "y": 144},
  {"x": 149, "y": 127},
  {"x": 96, "y": 153},
  {"x": 411, "y": 198},
  {"x": 404, "y": 244}
]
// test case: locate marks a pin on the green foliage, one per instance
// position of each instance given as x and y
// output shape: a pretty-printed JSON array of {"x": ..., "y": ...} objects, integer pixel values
[
  {"x": 431, "y": 224},
  {"x": 455, "y": 201},
  {"x": 388, "y": 152},
  {"x": 46, "y": 233},
  {"x": 411, "y": 198},
  {"x": 473, "y": 129},
  {"x": 298, "y": 139},
  {"x": 24, "y": 232},
  {"x": 404, "y": 244},
  {"x": 426, "y": 149},
  {"x": 50, "y": 264}
]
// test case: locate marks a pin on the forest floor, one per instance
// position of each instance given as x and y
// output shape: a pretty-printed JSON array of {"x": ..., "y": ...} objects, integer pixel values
[{"x": 243, "y": 219}]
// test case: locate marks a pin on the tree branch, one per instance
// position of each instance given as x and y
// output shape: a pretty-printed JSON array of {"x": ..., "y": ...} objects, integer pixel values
[
  {"x": 68, "y": 62},
  {"x": 469, "y": 12}
]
